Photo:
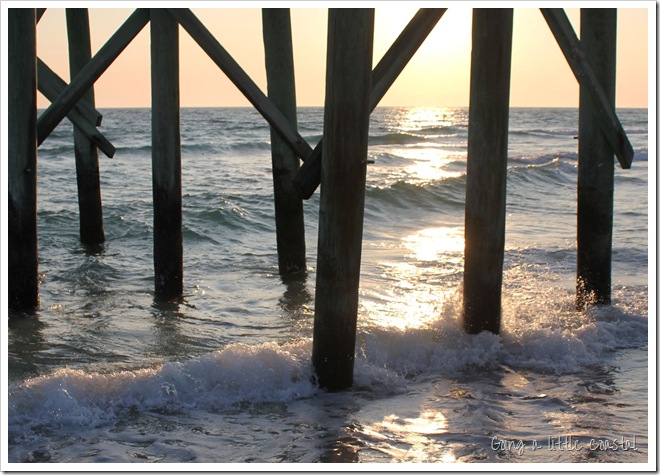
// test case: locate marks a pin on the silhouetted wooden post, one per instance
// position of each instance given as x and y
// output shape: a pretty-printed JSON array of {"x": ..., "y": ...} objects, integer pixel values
[
  {"x": 289, "y": 220},
  {"x": 87, "y": 157},
  {"x": 166, "y": 154},
  {"x": 23, "y": 286},
  {"x": 345, "y": 130},
  {"x": 596, "y": 163},
  {"x": 485, "y": 199}
]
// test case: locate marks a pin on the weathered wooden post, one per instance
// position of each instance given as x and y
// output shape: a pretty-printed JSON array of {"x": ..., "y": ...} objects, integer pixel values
[
  {"x": 485, "y": 199},
  {"x": 595, "y": 163},
  {"x": 87, "y": 158},
  {"x": 289, "y": 219},
  {"x": 23, "y": 285},
  {"x": 166, "y": 155},
  {"x": 346, "y": 128}
]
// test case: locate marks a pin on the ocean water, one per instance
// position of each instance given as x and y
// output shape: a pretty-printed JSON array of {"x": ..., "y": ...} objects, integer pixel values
[{"x": 102, "y": 373}]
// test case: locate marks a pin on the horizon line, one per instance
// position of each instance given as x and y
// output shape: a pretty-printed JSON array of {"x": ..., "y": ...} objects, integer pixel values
[{"x": 381, "y": 107}]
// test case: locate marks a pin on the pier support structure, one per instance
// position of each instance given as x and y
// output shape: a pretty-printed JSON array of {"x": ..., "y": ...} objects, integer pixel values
[
  {"x": 485, "y": 201},
  {"x": 166, "y": 155},
  {"x": 23, "y": 284},
  {"x": 289, "y": 219},
  {"x": 87, "y": 157},
  {"x": 595, "y": 201},
  {"x": 352, "y": 91},
  {"x": 343, "y": 175}
]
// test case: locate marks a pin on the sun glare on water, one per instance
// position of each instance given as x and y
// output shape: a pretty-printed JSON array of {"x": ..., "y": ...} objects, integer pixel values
[
  {"x": 413, "y": 295},
  {"x": 408, "y": 439},
  {"x": 431, "y": 244}
]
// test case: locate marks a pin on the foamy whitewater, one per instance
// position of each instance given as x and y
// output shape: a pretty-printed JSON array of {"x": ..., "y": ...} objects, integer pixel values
[{"x": 104, "y": 373}]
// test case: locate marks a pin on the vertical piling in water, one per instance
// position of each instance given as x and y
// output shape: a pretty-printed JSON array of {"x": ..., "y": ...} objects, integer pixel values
[
  {"x": 23, "y": 285},
  {"x": 595, "y": 163},
  {"x": 343, "y": 174},
  {"x": 485, "y": 199},
  {"x": 87, "y": 158},
  {"x": 289, "y": 220},
  {"x": 166, "y": 155}
]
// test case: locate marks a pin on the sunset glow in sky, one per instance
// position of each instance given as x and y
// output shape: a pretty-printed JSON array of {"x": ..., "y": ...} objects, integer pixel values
[{"x": 438, "y": 75}]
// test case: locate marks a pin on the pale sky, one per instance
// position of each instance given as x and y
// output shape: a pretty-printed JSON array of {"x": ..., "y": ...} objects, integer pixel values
[{"x": 438, "y": 75}]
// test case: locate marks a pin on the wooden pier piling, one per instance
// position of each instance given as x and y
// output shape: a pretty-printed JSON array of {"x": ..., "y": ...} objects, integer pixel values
[
  {"x": 595, "y": 203},
  {"x": 289, "y": 219},
  {"x": 353, "y": 90},
  {"x": 485, "y": 199},
  {"x": 86, "y": 153},
  {"x": 23, "y": 285},
  {"x": 166, "y": 155},
  {"x": 345, "y": 129}
]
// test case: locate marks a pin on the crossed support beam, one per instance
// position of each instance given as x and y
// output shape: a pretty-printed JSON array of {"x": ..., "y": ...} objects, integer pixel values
[
  {"x": 88, "y": 75},
  {"x": 388, "y": 69},
  {"x": 384, "y": 74},
  {"x": 83, "y": 116}
]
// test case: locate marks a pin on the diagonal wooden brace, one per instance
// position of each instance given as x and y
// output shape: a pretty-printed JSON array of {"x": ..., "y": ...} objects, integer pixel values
[
  {"x": 90, "y": 73},
  {"x": 606, "y": 117},
  {"x": 384, "y": 74},
  {"x": 50, "y": 84},
  {"x": 241, "y": 80},
  {"x": 82, "y": 115}
]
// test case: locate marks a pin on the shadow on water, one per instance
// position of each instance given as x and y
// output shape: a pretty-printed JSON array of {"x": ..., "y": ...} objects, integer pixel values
[
  {"x": 170, "y": 340},
  {"x": 25, "y": 343},
  {"x": 297, "y": 297}
]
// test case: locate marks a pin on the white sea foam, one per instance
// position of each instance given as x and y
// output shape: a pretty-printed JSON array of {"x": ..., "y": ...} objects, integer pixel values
[
  {"x": 534, "y": 337},
  {"x": 238, "y": 373}
]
